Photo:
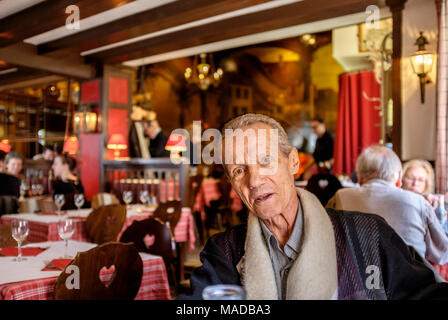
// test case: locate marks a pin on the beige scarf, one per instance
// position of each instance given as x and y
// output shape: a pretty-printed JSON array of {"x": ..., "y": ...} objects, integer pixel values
[{"x": 313, "y": 275}]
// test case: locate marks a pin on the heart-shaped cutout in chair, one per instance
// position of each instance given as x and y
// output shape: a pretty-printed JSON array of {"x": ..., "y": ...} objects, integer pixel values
[
  {"x": 107, "y": 275},
  {"x": 149, "y": 240},
  {"x": 323, "y": 183}
]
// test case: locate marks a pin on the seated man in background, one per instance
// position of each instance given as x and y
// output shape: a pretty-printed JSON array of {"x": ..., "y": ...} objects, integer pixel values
[
  {"x": 14, "y": 163},
  {"x": 408, "y": 213},
  {"x": 158, "y": 139},
  {"x": 47, "y": 154},
  {"x": 291, "y": 247}
]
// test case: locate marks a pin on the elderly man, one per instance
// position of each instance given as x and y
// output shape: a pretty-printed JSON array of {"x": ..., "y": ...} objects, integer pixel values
[
  {"x": 408, "y": 213},
  {"x": 291, "y": 247}
]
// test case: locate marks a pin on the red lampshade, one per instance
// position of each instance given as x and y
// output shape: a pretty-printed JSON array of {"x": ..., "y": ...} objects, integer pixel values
[
  {"x": 5, "y": 146},
  {"x": 71, "y": 145},
  {"x": 117, "y": 142},
  {"x": 176, "y": 143}
]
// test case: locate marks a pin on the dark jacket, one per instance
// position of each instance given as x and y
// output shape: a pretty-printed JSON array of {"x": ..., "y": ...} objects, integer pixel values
[
  {"x": 9, "y": 185},
  {"x": 361, "y": 240},
  {"x": 157, "y": 145}
]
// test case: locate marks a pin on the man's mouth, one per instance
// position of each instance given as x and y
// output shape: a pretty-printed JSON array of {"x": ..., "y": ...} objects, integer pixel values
[{"x": 263, "y": 197}]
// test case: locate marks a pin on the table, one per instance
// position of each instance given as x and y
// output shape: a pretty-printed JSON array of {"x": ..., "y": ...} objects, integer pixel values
[
  {"x": 25, "y": 280},
  {"x": 44, "y": 227},
  {"x": 209, "y": 191}
]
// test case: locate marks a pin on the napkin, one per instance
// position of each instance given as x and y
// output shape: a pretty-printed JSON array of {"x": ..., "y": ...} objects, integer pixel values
[
  {"x": 14, "y": 251},
  {"x": 57, "y": 264},
  {"x": 49, "y": 213}
]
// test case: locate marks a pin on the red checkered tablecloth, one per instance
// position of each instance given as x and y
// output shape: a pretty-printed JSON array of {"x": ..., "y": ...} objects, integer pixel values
[
  {"x": 210, "y": 191},
  {"x": 42, "y": 232},
  {"x": 154, "y": 285}
]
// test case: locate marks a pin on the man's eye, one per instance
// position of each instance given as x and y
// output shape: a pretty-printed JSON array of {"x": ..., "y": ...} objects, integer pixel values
[{"x": 265, "y": 160}]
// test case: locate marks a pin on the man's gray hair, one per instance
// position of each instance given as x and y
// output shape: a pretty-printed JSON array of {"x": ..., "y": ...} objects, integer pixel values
[
  {"x": 378, "y": 162},
  {"x": 251, "y": 118}
]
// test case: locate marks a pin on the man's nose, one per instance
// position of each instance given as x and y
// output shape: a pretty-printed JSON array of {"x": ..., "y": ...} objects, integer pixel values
[{"x": 255, "y": 178}]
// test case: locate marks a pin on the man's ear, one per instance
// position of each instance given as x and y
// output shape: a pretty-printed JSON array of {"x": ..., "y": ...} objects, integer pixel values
[{"x": 294, "y": 162}]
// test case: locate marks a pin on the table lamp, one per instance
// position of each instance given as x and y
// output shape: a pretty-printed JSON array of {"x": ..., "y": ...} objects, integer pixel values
[
  {"x": 71, "y": 145},
  {"x": 176, "y": 144},
  {"x": 5, "y": 146},
  {"x": 117, "y": 143}
]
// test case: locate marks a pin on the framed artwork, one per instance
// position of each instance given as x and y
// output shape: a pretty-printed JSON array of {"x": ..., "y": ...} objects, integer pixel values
[{"x": 370, "y": 39}]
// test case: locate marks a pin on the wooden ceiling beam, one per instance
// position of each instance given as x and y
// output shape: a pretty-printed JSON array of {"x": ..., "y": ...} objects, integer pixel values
[
  {"x": 277, "y": 18},
  {"x": 46, "y": 16},
  {"x": 163, "y": 17},
  {"x": 25, "y": 55}
]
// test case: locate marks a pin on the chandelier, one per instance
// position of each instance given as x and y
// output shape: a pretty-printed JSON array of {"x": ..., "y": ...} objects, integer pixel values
[{"x": 203, "y": 74}]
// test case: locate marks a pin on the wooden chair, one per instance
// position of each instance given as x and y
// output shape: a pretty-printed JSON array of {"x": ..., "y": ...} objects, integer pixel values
[
  {"x": 104, "y": 199},
  {"x": 155, "y": 237},
  {"x": 124, "y": 283},
  {"x": 105, "y": 223},
  {"x": 8, "y": 205},
  {"x": 47, "y": 205},
  {"x": 6, "y": 239}
]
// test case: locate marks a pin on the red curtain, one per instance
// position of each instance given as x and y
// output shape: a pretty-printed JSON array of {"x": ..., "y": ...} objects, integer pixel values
[{"x": 358, "y": 124}]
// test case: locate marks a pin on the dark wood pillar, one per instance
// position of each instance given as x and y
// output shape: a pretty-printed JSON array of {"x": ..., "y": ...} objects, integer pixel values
[{"x": 396, "y": 7}]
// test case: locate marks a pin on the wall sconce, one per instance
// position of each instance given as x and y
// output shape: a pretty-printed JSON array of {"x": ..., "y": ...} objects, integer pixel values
[
  {"x": 84, "y": 121},
  {"x": 422, "y": 62}
]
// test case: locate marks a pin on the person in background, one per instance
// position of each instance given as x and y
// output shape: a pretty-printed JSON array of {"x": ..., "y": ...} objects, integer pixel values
[
  {"x": 158, "y": 139},
  {"x": 14, "y": 163},
  {"x": 408, "y": 213},
  {"x": 323, "y": 152},
  {"x": 418, "y": 176},
  {"x": 47, "y": 154},
  {"x": 66, "y": 182},
  {"x": 2, "y": 160}
]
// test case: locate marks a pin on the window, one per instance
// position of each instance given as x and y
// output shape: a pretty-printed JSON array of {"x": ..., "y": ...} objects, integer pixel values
[{"x": 238, "y": 93}]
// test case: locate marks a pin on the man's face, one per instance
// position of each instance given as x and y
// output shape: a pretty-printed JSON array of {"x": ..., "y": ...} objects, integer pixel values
[
  {"x": 266, "y": 185},
  {"x": 151, "y": 129},
  {"x": 14, "y": 166},
  {"x": 48, "y": 154},
  {"x": 318, "y": 128}
]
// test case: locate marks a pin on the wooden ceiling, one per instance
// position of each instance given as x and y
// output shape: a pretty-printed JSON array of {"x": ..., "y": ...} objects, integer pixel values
[{"x": 36, "y": 43}]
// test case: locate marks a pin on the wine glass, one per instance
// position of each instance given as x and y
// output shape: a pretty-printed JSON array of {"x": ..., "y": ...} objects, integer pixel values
[
  {"x": 144, "y": 196},
  {"x": 224, "y": 292},
  {"x": 59, "y": 200},
  {"x": 79, "y": 200},
  {"x": 34, "y": 189},
  {"x": 19, "y": 230},
  {"x": 66, "y": 228},
  {"x": 127, "y": 197},
  {"x": 39, "y": 189}
]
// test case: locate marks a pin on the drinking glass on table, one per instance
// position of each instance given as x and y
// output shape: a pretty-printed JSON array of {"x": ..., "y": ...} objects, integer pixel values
[
  {"x": 79, "y": 200},
  {"x": 127, "y": 197},
  {"x": 144, "y": 197},
  {"x": 19, "y": 230},
  {"x": 224, "y": 292},
  {"x": 66, "y": 228},
  {"x": 59, "y": 200}
]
